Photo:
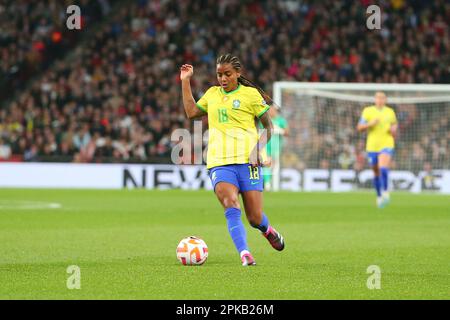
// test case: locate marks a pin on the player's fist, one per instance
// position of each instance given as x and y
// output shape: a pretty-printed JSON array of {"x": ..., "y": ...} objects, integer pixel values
[
  {"x": 267, "y": 163},
  {"x": 255, "y": 158},
  {"x": 186, "y": 71}
]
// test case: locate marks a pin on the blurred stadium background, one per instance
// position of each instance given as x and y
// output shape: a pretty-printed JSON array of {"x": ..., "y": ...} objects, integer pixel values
[{"x": 110, "y": 92}]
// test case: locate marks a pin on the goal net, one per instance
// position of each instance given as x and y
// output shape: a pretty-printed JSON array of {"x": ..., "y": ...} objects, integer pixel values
[{"x": 324, "y": 151}]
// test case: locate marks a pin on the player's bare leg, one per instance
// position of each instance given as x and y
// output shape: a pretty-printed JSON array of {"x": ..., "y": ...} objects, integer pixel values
[
  {"x": 377, "y": 183},
  {"x": 228, "y": 195},
  {"x": 384, "y": 163},
  {"x": 253, "y": 204}
]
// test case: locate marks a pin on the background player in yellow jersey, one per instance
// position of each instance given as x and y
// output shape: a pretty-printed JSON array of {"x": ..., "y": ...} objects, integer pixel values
[
  {"x": 381, "y": 124},
  {"x": 234, "y": 159}
]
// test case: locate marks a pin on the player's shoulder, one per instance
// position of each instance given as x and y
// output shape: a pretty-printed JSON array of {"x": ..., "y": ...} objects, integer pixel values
[
  {"x": 390, "y": 109},
  {"x": 250, "y": 92},
  {"x": 369, "y": 108},
  {"x": 213, "y": 90},
  {"x": 248, "y": 89},
  {"x": 252, "y": 95}
]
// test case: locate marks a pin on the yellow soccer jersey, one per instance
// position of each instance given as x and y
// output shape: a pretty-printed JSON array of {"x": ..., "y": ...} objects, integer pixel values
[
  {"x": 231, "y": 118},
  {"x": 379, "y": 136}
]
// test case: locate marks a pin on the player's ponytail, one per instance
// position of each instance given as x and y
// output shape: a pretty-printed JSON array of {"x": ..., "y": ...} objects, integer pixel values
[{"x": 234, "y": 61}]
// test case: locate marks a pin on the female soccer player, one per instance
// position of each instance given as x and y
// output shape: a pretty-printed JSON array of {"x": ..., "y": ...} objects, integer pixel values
[
  {"x": 381, "y": 123},
  {"x": 234, "y": 159}
]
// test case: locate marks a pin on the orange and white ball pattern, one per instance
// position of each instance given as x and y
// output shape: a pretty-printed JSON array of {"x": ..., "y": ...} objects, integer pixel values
[{"x": 192, "y": 251}]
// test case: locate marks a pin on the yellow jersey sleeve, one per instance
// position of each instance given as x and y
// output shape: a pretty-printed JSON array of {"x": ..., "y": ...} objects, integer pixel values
[
  {"x": 394, "y": 118},
  {"x": 365, "y": 116},
  {"x": 202, "y": 103},
  {"x": 259, "y": 105}
]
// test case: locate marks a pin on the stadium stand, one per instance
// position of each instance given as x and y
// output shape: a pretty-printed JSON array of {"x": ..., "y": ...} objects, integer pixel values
[{"x": 110, "y": 92}]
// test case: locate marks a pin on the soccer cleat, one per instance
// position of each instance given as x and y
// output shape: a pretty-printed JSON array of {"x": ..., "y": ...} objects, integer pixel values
[
  {"x": 386, "y": 197},
  {"x": 275, "y": 238},
  {"x": 247, "y": 259},
  {"x": 381, "y": 202}
]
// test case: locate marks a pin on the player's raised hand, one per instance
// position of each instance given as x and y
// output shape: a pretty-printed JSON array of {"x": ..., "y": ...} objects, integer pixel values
[{"x": 186, "y": 71}]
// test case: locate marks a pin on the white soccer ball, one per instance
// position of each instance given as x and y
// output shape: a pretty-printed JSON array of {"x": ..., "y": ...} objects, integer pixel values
[{"x": 192, "y": 251}]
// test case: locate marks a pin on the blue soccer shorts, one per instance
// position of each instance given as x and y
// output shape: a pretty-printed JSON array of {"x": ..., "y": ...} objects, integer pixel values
[
  {"x": 372, "y": 157},
  {"x": 243, "y": 176}
]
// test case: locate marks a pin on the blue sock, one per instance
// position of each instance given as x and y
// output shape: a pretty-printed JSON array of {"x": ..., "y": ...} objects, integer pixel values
[
  {"x": 264, "y": 224},
  {"x": 236, "y": 228},
  {"x": 385, "y": 177},
  {"x": 377, "y": 184}
]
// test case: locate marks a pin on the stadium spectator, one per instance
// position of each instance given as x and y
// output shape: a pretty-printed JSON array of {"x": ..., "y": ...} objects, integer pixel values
[{"x": 34, "y": 33}]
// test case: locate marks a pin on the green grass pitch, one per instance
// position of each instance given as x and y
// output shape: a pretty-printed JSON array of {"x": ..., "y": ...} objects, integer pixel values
[{"x": 124, "y": 242}]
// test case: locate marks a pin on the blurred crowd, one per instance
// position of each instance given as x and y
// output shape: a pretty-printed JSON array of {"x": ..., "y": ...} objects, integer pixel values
[
  {"x": 115, "y": 95},
  {"x": 33, "y": 34},
  {"x": 324, "y": 135}
]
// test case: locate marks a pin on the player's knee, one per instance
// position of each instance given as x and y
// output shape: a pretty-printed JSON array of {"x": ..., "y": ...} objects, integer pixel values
[{"x": 230, "y": 201}]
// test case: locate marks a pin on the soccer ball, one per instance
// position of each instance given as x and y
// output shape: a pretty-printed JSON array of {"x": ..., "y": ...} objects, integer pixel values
[{"x": 192, "y": 251}]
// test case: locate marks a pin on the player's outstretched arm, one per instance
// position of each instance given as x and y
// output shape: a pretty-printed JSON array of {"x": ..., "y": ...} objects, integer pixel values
[{"x": 192, "y": 111}]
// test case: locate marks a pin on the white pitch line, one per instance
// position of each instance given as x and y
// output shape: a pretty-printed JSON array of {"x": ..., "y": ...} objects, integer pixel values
[{"x": 28, "y": 205}]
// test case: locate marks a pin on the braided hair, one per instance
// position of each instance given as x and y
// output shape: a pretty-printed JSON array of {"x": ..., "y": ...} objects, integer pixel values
[{"x": 236, "y": 64}]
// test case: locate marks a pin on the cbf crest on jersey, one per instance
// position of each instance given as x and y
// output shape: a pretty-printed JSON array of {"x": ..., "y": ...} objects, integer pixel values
[{"x": 236, "y": 104}]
